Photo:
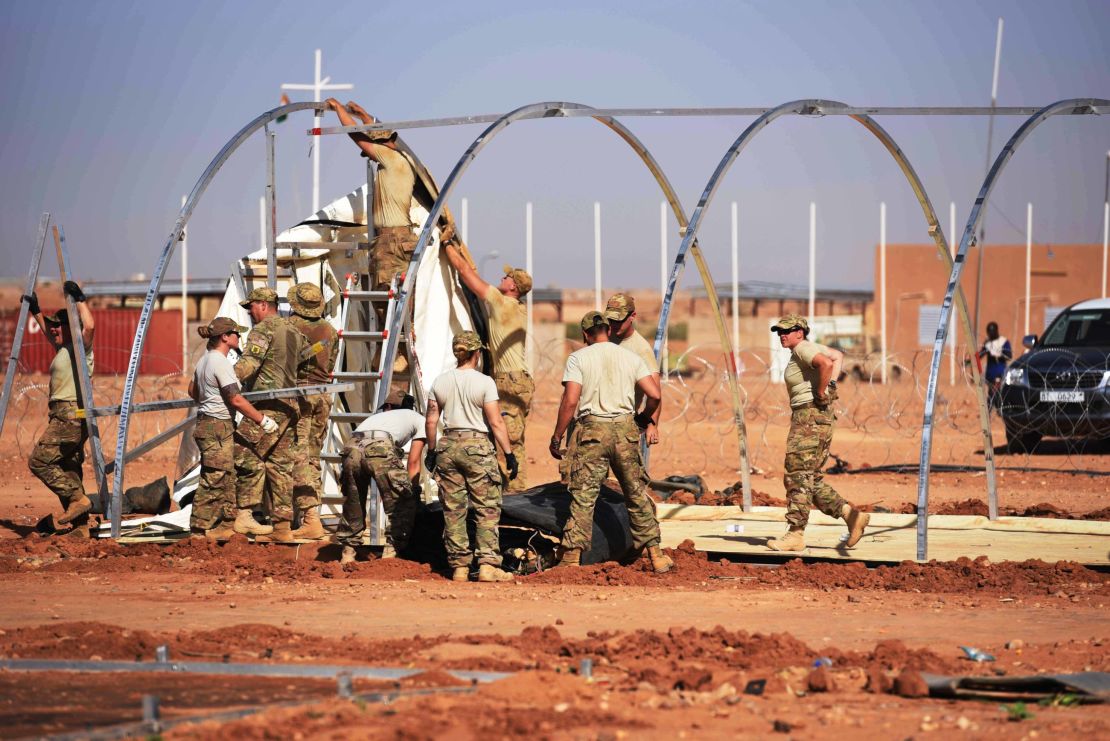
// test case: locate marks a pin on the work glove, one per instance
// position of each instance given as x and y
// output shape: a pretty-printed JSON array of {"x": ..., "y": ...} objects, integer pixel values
[
  {"x": 33, "y": 303},
  {"x": 268, "y": 425},
  {"x": 71, "y": 289},
  {"x": 642, "y": 420},
  {"x": 430, "y": 461},
  {"x": 512, "y": 464}
]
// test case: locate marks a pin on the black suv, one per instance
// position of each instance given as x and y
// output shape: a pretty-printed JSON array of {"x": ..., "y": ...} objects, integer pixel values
[{"x": 1061, "y": 387}]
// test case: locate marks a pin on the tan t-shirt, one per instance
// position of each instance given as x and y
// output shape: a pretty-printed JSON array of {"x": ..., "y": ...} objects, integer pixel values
[
  {"x": 63, "y": 387},
  {"x": 460, "y": 395},
  {"x": 801, "y": 376},
  {"x": 636, "y": 343},
  {"x": 608, "y": 374},
  {"x": 213, "y": 373},
  {"x": 392, "y": 188},
  {"x": 508, "y": 325}
]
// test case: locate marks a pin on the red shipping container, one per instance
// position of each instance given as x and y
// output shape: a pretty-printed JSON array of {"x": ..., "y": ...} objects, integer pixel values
[{"x": 115, "y": 334}]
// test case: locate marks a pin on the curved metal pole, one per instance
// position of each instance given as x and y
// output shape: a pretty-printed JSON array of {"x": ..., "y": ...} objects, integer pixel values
[
  {"x": 156, "y": 283},
  {"x": 1072, "y": 106},
  {"x": 549, "y": 110}
]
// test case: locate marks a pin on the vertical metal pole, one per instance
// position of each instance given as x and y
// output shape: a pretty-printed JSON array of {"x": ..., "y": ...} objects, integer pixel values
[
  {"x": 990, "y": 136},
  {"x": 317, "y": 84},
  {"x": 664, "y": 357},
  {"x": 812, "y": 259},
  {"x": 85, "y": 402},
  {"x": 529, "y": 340},
  {"x": 952, "y": 327},
  {"x": 1105, "y": 223},
  {"x": 597, "y": 255},
  {"x": 882, "y": 292},
  {"x": 1028, "y": 261},
  {"x": 21, "y": 322},
  {"x": 271, "y": 201},
  {"x": 735, "y": 288},
  {"x": 184, "y": 297}
]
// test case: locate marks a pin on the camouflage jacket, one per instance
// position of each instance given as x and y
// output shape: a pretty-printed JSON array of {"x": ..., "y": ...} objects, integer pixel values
[
  {"x": 270, "y": 355},
  {"x": 323, "y": 343}
]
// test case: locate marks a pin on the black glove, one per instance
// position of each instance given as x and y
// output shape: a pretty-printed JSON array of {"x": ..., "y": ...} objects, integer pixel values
[
  {"x": 512, "y": 464},
  {"x": 33, "y": 303},
  {"x": 71, "y": 289},
  {"x": 642, "y": 420},
  {"x": 430, "y": 461}
]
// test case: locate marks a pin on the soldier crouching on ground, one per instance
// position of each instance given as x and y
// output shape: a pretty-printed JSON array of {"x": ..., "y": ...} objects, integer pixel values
[
  {"x": 465, "y": 462},
  {"x": 269, "y": 360},
  {"x": 215, "y": 387},
  {"x": 599, "y": 386},
  {"x": 810, "y": 380},
  {"x": 375, "y": 453},
  {"x": 59, "y": 454}
]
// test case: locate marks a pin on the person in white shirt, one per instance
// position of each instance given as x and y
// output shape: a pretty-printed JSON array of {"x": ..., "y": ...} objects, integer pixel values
[
  {"x": 376, "y": 453},
  {"x": 599, "y": 392},
  {"x": 215, "y": 387},
  {"x": 465, "y": 462}
]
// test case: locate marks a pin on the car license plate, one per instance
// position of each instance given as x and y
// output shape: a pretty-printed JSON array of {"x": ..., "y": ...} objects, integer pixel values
[{"x": 1066, "y": 396}]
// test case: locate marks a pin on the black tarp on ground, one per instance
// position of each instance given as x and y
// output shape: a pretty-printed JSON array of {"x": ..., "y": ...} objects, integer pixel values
[{"x": 1088, "y": 686}]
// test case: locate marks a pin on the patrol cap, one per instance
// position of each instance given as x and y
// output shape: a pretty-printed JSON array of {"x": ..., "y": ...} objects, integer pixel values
[
  {"x": 467, "y": 341},
  {"x": 791, "y": 321},
  {"x": 592, "y": 320},
  {"x": 521, "y": 278},
  {"x": 307, "y": 300},
  {"x": 619, "y": 307},
  {"x": 61, "y": 316},
  {"x": 269, "y": 295},
  {"x": 222, "y": 325}
]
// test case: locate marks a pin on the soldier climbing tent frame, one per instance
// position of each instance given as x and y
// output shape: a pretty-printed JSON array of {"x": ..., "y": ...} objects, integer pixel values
[{"x": 688, "y": 230}]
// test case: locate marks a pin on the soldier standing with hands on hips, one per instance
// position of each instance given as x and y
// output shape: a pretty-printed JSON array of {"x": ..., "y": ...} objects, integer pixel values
[
  {"x": 465, "y": 463},
  {"x": 810, "y": 378}
]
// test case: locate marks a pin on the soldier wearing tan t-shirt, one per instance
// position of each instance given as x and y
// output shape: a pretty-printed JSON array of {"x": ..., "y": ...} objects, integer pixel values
[
  {"x": 620, "y": 311},
  {"x": 394, "y": 238},
  {"x": 508, "y": 328},
  {"x": 599, "y": 392},
  {"x": 810, "y": 378}
]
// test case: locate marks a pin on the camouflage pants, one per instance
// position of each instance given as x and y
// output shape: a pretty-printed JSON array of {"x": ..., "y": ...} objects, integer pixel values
[
  {"x": 57, "y": 457},
  {"x": 264, "y": 463},
  {"x": 382, "y": 462},
  {"x": 312, "y": 426},
  {"x": 599, "y": 444},
  {"x": 515, "y": 390},
  {"x": 807, "y": 450},
  {"x": 390, "y": 253},
  {"x": 215, "y": 497},
  {"x": 468, "y": 477}
]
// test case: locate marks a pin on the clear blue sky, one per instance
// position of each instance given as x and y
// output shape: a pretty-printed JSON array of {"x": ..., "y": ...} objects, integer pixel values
[{"x": 113, "y": 109}]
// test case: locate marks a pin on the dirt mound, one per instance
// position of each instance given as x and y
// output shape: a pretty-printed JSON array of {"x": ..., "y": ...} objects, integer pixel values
[{"x": 980, "y": 508}]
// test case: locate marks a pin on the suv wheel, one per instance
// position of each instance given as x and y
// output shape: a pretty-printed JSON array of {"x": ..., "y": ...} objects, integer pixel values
[{"x": 1021, "y": 441}]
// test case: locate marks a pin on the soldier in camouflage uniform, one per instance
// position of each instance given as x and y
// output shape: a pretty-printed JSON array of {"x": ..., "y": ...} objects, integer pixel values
[
  {"x": 307, "y": 303},
  {"x": 58, "y": 455},
  {"x": 810, "y": 378},
  {"x": 465, "y": 462},
  {"x": 264, "y": 461},
  {"x": 508, "y": 327},
  {"x": 215, "y": 387},
  {"x": 599, "y": 386}
]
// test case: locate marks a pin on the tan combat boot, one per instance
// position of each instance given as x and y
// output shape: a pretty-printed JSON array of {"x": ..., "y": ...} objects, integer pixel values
[
  {"x": 570, "y": 557},
  {"x": 793, "y": 540},
  {"x": 311, "y": 528},
  {"x": 661, "y": 563},
  {"x": 486, "y": 572},
  {"x": 857, "y": 522},
  {"x": 283, "y": 533},
  {"x": 74, "y": 509},
  {"x": 221, "y": 532},
  {"x": 460, "y": 573},
  {"x": 348, "y": 555},
  {"x": 245, "y": 524}
]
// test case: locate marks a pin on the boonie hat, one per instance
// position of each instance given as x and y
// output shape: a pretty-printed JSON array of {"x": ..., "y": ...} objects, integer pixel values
[
  {"x": 222, "y": 325},
  {"x": 619, "y": 307},
  {"x": 593, "y": 319},
  {"x": 467, "y": 341},
  {"x": 269, "y": 295},
  {"x": 521, "y": 278},
  {"x": 307, "y": 300},
  {"x": 791, "y": 321}
]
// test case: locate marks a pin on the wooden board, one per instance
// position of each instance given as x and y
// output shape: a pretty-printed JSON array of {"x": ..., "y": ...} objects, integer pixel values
[{"x": 890, "y": 537}]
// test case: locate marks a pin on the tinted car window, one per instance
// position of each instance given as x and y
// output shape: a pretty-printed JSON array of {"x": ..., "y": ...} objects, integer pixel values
[{"x": 1079, "y": 329}]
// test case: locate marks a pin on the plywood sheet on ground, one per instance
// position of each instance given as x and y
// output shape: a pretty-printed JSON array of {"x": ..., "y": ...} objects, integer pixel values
[{"x": 890, "y": 537}]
